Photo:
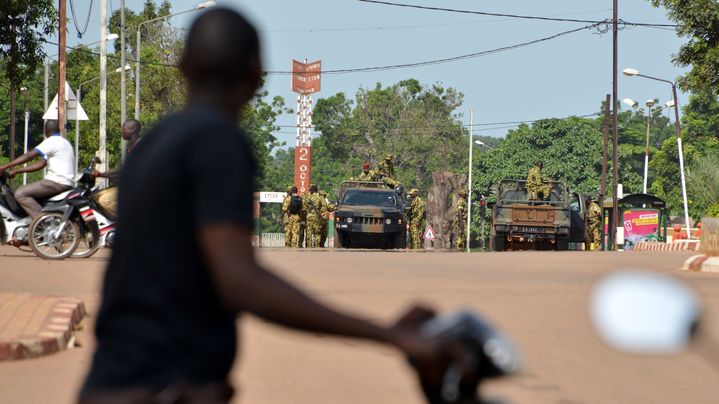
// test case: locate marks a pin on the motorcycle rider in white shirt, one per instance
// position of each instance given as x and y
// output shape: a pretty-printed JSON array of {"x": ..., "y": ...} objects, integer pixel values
[{"x": 58, "y": 156}]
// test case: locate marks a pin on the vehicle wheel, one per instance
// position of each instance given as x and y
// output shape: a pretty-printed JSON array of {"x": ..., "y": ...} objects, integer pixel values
[
  {"x": 89, "y": 242},
  {"x": 43, "y": 241},
  {"x": 497, "y": 242}
]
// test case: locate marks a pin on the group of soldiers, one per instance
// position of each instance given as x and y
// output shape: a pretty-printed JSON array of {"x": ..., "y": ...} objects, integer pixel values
[
  {"x": 305, "y": 217},
  {"x": 383, "y": 173}
]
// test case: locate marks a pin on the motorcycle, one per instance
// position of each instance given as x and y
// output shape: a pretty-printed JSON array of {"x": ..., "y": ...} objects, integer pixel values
[
  {"x": 479, "y": 352},
  {"x": 15, "y": 224},
  {"x": 78, "y": 209}
]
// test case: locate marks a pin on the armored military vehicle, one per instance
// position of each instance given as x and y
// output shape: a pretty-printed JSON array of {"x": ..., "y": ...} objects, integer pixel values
[
  {"x": 521, "y": 221},
  {"x": 370, "y": 215}
]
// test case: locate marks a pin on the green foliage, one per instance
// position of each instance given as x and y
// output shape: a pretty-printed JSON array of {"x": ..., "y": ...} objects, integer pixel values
[
  {"x": 699, "y": 21},
  {"x": 413, "y": 122},
  {"x": 700, "y": 136},
  {"x": 24, "y": 25},
  {"x": 703, "y": 183},
  {"x": 713, "y": 211}
]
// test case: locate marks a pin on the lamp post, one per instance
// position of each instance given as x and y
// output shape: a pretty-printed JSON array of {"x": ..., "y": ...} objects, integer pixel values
[
  {"x": 649, "y": 104},
  {"x": 469, "y": 176},
  {"x": 23, "y": 92},
  {"x": 110, "y": 37},
  {"x": 77, "y": 121},
  {"x": 138, "y": 51},
  {"x": 633, "y": 72}
]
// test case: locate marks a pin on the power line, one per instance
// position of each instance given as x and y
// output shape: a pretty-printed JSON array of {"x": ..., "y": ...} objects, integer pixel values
[
  {"x": 80, "y": 32},
  {"x": 454, "y": 58},
  {"x": 519, "y": 16}
]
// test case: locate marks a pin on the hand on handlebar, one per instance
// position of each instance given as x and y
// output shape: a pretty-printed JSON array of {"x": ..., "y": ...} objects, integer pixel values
[{"x": 95, "y": 174}]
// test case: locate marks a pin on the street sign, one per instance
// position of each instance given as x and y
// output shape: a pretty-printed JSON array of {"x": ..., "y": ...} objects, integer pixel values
[
  {"x": 272, "y": 197},
  {"x": 306, "y": 77},
  {"x": 74, "y": 110},
  {"x": 429, "y": 234}
]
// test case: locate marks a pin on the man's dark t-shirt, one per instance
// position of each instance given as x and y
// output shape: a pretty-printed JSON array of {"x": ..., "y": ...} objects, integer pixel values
[{"x": 160, "y": 320}]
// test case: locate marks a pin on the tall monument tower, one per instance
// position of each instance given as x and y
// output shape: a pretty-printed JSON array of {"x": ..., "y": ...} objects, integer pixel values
[{"x": 305, "y": 81}]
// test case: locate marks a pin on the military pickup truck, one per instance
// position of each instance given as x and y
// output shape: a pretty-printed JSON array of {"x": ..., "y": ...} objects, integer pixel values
[
  {"x": 523, "y": 223},
  {"x": 370, "y": 215}
]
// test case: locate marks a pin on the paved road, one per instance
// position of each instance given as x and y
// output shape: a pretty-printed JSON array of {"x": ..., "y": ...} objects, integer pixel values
[{"x": 539, "y": 298}]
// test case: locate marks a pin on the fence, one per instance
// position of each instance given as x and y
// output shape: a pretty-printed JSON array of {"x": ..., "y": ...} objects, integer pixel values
[{"x": 272, "y": 240}]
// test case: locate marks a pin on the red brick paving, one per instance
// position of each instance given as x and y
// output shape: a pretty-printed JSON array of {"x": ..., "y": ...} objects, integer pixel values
[{"x": 35, "y": 325}]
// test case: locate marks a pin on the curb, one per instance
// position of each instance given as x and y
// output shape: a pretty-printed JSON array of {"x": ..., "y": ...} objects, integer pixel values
[
  {"x": 701, "y": 263},
  {"x": 56, "y": 332},
  {"x": 661, "y": 247}
]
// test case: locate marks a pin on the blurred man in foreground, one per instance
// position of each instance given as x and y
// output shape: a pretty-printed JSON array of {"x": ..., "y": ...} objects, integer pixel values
[{"x": 166, "y": 325}]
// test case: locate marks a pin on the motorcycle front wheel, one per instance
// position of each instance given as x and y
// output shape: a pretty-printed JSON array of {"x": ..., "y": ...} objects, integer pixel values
[{"x": 45, "y": 241}]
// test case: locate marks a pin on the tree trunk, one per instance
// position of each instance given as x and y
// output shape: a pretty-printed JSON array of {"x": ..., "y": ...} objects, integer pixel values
[
  {"x": 442, "y": 207},
  {"x": 11, "y": 140}
]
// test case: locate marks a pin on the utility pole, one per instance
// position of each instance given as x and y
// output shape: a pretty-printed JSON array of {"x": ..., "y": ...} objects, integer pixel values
[
  {"x": 469, "y": 179},
  {"x": 615, "y": 128},
  {"x": 103, "y": 86},
  {"x": 605, "y": 149},
  {"x": 62, "y": 59},
  {"x": 123, "y": 101}
]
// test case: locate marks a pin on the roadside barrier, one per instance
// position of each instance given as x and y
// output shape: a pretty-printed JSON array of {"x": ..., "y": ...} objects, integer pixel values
[
  {"x": 678, "y": 245},
  {"x": 272, "y": 240}
]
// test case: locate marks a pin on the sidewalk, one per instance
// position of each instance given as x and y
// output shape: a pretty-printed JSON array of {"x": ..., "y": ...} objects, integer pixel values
[{"x": 35, "y": 325}]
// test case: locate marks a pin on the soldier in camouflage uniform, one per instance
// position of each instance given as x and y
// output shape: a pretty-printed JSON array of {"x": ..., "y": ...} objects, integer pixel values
[
  {"x": 292, "y": 228},
  {"x": 594, "y": 217},
  {"x": 367, "y": 174},
  {"x": 385, "y": 172},
  {"x": 535, "y": 185},
  {"x": 284, "y": 217},
  {"x": 460, "y": 221},
  {"x": 327, "y": 207},
  {"x": 416, "y": 219},
  {"x": 312, "y": 206}
]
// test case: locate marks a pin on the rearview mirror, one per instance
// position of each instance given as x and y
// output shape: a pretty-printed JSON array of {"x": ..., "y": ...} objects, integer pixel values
[{"x": 643, "y": 312}]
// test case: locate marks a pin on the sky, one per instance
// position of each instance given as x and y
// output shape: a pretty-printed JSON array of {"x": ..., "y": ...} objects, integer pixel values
[{"x": 569, "y": 75}]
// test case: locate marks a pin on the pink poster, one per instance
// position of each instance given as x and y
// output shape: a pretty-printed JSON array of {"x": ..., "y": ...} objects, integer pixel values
[{"x": 640, "y": 225}]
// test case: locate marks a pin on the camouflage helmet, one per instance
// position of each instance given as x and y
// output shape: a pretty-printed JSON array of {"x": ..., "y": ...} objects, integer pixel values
[
  {"x": 413, "y": 191},
  {"x": 323, "y": 193},
  {"x": 389, "y": 157},
  {"x": 289, "y": 188},
  {"x": 463, "y": 192}
]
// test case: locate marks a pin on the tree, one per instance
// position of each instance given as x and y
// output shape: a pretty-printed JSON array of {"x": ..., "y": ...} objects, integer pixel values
[
  {"x": 703, "y": 183},
  {"x": 24, "y": 24},
  {"x": 698, "y": 20},
  {"x": 413, "y": 122}
]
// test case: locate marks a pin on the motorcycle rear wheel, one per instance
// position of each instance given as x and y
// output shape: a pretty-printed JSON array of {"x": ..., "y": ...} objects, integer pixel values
[{"x": 43, "y": 242}]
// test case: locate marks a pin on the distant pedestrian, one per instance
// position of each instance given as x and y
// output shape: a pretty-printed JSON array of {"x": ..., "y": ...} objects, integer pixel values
[
  {"x": 285, "y": 216},
  {"x": 312, "y": 206},
  {"x": 327, "y": 208},
  {"x": 416, "y": 218}
]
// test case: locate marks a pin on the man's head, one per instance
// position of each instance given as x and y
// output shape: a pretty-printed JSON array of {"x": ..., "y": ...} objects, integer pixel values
[
  {"x": 413, "y": 192},
  {"x": 463, "y": 192},
  {"x": 289, "y": 189},
  {"x": 365, "y": 167},
  {"x": 313, "y": 188},
  {"x": 130, "y": 129},
  {"x": 51, "y": 127},
  {"x": 539, "y": 165},
  {"x": 389, "y": 158},
  {"x": 222, "y": 58},
  {"x": 323, "y": 193},
  {"x": 293, "y": 190}
]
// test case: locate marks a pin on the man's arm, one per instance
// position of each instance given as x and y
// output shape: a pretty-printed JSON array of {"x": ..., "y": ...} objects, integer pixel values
[
  {"x": 29, "y": 156},
  {"x": 244, "y": 285},
  {"x": 111, "y": 174},
  {"x": 38, "y": 165}
]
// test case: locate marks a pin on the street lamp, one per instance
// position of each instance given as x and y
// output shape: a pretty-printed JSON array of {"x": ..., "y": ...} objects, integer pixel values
[
  {"x": 633, "y": 72},
  {"x": 649, "y": 104},
  {"x": 138, "y": 51},
  {"x": 23, "y": 92},
  {"x": 77, "y": 121},
  {"x": 110, "y": 37}
]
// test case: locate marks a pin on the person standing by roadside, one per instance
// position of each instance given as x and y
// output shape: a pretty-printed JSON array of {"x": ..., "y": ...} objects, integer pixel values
[
  {"x": 460, "y": 221},
  {"x": 284, "y": 217},
  {"x": 327, "y": 208}
]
